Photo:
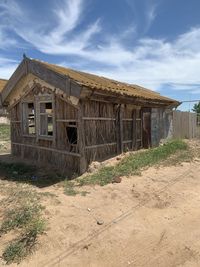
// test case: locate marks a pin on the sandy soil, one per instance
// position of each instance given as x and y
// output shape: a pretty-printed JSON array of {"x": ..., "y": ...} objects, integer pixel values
[{"x": 148, "y": 220}]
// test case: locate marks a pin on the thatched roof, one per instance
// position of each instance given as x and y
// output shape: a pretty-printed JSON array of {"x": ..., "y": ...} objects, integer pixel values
[
  {"x": 106, "y": 84},
  {"x": 2, "y": 84}
]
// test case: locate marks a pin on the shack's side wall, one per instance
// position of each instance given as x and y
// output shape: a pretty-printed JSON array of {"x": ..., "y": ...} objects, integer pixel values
[
  {"x": 99, "y": 124},
  {"x": 110, "y": 129},
  {"x": 161, "y": 125},
  {"x": 48, "y": 152}
]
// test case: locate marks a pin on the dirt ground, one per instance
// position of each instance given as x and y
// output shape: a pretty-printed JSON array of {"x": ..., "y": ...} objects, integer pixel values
[{"x": 148, "y": 220}]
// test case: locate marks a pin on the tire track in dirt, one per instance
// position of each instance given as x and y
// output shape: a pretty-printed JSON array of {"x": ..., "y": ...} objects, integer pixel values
[{"x": 78, "y": 245}]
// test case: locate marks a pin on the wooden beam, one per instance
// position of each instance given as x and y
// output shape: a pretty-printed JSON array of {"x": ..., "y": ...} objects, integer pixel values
[
  {"x": 100, "y": 145},
  {"x": 138, "y": 101},
  {"x": 63, "y": 120},
  {"x": 121, "y": 110},
  {"x": 99, "y": 118},
  {"x": 17, "y": 75},
  {"x": 127, "y": 141},
  {"x": 134, "y": 130},
  {"x": 81, "y": 140},
  {"x": 48, "y": 149}
]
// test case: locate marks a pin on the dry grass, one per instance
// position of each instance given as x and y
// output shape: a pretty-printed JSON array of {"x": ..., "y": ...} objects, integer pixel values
[
  {"x": 21, "y": 214},
  {"x": 130, "y": 165}
]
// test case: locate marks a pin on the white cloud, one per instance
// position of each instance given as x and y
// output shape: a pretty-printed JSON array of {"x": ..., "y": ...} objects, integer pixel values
[
  {"x": 5, "y": 40},
  {"x": 7, "y": 67},
  {"x": 59, "y": 39},
  {"x": 150, "y": 62}
]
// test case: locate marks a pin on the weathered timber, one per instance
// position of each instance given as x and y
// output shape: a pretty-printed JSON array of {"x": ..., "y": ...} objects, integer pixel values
[
  {"x": 48, "y": 149},
  {"x": 81, "y": 140},
  {"x": 100, "y": 145}
]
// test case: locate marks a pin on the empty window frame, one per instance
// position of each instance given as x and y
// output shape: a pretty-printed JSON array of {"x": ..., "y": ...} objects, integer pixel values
[
  {"x": 46, "y": 119},
  {"x": 72, "y": 136},
  {"x": 28, "y": 118}
]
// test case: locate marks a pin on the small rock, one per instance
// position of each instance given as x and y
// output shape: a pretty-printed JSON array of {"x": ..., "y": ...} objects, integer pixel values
[
  {"x": 118, "y": 158},
  {"x": 86, "y": 246},
  {"x": 117, "y": 180},
  {"x": 94, "y": 166},
  {"x": 89, "y": 209},
  {"x": 100, "y": 222}
]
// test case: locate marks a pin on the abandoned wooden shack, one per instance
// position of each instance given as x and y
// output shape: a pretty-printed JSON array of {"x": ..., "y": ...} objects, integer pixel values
[{"x": 68, "y": 118}]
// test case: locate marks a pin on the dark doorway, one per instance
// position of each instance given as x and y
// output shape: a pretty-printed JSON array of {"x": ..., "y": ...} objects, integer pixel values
[{"x": 146, "y": 129}]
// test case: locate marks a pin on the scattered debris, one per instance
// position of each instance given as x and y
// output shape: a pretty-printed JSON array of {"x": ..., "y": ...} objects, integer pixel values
[
  {"x": 94, "y": 166},
  {"x": 87, "y": 246},
  {"x": 100, "y": 222},
  {"x": 117, "y": 180}
]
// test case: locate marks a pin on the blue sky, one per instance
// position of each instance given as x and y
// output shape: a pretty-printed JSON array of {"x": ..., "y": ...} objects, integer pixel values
[{"x": 153, "y": 43}]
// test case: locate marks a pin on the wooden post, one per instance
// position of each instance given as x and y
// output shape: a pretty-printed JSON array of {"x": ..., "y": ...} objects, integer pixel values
[
  {"x": 134, "y": 130},
  {"x": 120, "y": 117},
  {"x": 81, "y": 140},
  {"x": 119, "y": 129}
]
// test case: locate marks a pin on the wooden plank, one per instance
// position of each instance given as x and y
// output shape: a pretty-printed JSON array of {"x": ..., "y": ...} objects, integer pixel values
[
  {"x": 127, "y": 141},
  {"x": 37, "y": 119},
  {"x": 54, "y": 119},
  {"x": 99, "y": 118},
  {"x": 64, "y": 120},
  {"x": 17, "y": 75},
  {"x": 121, "y": 128},
  {"x": 81, "y": 140},
  {"x": 134, "y": 130},
  {"x": 56, "y": 79},
  {"x": 48, "y": 149},
  {"x": 101, "y": 145},
  {"x": 114, "y": 98}
]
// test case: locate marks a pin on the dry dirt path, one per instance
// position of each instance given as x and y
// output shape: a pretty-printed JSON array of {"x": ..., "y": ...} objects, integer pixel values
[{"x": 149, "y": 220}]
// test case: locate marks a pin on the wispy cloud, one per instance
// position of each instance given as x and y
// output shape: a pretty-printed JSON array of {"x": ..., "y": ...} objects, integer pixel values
[
  {"x": 154, "y": 63},
  {"x": 7, "y": 66},
  {"x": 59, "y": 39}
]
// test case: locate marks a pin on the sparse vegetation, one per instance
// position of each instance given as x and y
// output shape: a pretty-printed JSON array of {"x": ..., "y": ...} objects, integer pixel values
[
  {"x": 22, "y": 212},
  {"x": 130, "y": 165},
  {"x": 4, "y": 132},
  {"x": 23, "y": 246},
  {"x": 69, "y": 188},
  {"x": 19, "y": 217}
]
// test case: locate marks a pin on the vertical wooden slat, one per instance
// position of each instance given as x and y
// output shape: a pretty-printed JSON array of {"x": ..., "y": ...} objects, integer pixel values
[
  {"x": 54, "y": 108},
  {"x": 121, "y": 128},
  {"x": 141, "y": 128},
  {"x": 81, "y": 140},
  {"x": 37, "y": 119},
  {"x": 134, "y": 130}
]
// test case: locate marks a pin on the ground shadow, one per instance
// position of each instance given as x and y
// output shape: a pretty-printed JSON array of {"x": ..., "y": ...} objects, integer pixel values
[{"x": 13, "y": 169}]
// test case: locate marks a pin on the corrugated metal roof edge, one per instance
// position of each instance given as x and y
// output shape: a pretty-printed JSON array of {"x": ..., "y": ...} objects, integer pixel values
[{"x": 158, "y": 97}]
